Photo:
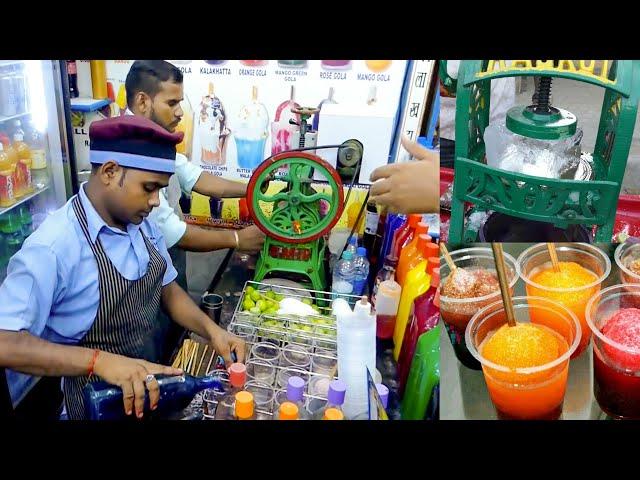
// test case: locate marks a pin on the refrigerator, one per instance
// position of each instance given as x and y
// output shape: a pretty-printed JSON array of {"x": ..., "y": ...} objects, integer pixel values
[
  {"x": 36, "y": 164},
  {"x": 33, "y": 102}
]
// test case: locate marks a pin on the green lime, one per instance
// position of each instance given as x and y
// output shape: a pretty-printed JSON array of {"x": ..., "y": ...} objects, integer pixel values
[
  {"x": 250, "y": 289},
  {"x": 308, "y": 301},
  {"x": 248, "y": 304},
  {"x": 270, "y": 294},
  {"x": 262, "y": 305},
  {"x": 255, "y": 296},
  {"x": 255, "y": 310}
]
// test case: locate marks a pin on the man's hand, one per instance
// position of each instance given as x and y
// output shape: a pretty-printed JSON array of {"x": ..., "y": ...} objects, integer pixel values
[
  {"x": 224, "y": 343},
  {"x": 250, "y": 239},
  {"x": 409, "y": 187},
  {"x": 130, "y": 374}
]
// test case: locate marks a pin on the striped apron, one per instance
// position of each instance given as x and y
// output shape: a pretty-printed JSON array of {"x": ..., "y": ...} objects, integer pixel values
[{"x": 127, "y": 314}]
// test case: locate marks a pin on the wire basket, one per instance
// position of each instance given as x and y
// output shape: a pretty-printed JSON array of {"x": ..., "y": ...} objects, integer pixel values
[{"x": 279, "y": 346}]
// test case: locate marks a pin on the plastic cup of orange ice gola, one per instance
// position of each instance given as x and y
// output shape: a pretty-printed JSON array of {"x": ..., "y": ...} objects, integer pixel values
[{"x": 525, "y": 367}]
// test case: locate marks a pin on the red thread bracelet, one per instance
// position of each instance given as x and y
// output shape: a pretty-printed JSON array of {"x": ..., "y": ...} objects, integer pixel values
[{"x": 93, "y": 361}]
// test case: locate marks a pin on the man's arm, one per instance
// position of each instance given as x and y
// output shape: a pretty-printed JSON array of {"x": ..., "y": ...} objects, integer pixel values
[
  {"x": 23, "y": 352},
  {"x": 196, "y": 239},
  {"x": 26, "y": 353},
  {"x": 182, "y": 309},
  {"x": 192, "y": 177},
  {"x": 213, "y": 186}
]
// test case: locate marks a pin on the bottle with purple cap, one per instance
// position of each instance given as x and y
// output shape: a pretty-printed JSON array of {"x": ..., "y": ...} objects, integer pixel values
[
  {"x": 335, "y": 398},
  {"x": 383, "y": 391},
  {"x": 295, "y": 394}
]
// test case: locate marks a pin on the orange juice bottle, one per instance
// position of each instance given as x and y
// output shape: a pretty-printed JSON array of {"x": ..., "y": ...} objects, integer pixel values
[
  {"x": 410, "y": 250},
  {"x": 426, "y": 251},
  {"x": 421, "y": 251},
  {"x": 13, "y": 158},
  {"x": 23, "y": 167},
  {"x": 7, "y": 197}
]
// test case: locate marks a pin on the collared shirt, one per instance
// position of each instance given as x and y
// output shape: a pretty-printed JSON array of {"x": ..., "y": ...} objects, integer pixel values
[
  {"x": 52, "y": 288},
  {"x": 170, "y": 222}
]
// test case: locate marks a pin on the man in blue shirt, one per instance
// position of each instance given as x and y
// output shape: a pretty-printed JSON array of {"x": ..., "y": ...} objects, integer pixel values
[{"x": 81, "y": 297}]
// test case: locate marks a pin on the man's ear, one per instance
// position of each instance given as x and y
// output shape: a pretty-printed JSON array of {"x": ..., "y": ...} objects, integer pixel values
[
  {"x": 109, "y": 172},
  {"x": 142, "y": 103}
]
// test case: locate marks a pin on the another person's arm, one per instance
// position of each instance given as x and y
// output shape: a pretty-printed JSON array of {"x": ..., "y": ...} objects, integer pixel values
[
  {"x": 409, "y": 187},
  {"x": 195, "y": 239},
  {"x": 192, "y": 177},
  {"x": 213, "y": 186}
]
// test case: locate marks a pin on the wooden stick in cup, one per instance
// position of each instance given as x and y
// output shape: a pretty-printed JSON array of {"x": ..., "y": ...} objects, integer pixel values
[
  {"x": 213, "y": 355},
  {"x": 504, "y": 283},
  {"x": 194, "y": 356},
  {"x": 554, "y": 256},
  {"x": 447, "y": 257},
  {"x": 187, "y": 363},
  {"x": 204, "y": 353}
]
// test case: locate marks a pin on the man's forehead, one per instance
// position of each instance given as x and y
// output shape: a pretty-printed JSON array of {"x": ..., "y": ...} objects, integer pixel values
[
  {"x": 146, "y": 176},
  {"x": 170, "y": 88}
]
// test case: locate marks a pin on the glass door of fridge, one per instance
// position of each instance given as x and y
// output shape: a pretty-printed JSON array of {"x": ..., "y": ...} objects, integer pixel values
[{"x": 34, "y": 161}]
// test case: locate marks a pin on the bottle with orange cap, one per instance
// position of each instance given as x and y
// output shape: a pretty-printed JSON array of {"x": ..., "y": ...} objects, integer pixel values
[
  {"x": 425, "y": 249},
  {"x": 237, "y": 378},
  {"x": 416, "y": 283},
  {"x": 333, "y": 414},
  {"x": 245, "y": 408},
  {"x": 424, "y": 317},
  {"x": 335, "y": 400},
  {"x": 404, "y": 234},
  {"x": 288, "y": 411},
  {"x": 411, "y": 249}
]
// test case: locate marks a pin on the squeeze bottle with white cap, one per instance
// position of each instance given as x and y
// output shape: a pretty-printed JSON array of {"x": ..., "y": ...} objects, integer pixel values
[{"x": 356, "y": 354}]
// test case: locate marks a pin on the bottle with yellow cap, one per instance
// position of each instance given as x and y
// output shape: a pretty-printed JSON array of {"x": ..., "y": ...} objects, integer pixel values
[
  {"x": 288, "y": 411},
  {"x": 245, "y": 407},
  {"x": 333, "y": 414}
]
